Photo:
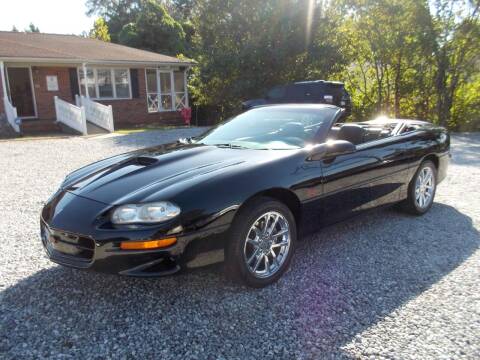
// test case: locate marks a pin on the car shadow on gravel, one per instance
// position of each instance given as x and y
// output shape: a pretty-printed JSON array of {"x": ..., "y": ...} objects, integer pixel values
[{"x": 343, "y": 280}]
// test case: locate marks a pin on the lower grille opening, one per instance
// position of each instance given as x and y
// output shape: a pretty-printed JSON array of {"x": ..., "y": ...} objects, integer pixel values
[{"x": 165, "y": 265}]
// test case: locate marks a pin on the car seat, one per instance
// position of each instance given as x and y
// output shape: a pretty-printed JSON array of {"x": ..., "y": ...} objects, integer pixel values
[{"x": 352, "y": 132}]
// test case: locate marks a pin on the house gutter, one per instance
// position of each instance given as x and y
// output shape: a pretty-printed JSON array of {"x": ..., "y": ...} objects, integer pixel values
[{"x": 96, "y": 62}]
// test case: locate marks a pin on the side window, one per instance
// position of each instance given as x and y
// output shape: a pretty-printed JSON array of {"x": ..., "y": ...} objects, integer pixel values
[
  {"x": 362, "y": 133},
  {"x": 299, "y": 93},
  {"x": 409, "y": 128},
  {"x": 276, "y": 93},
  {"x": 373, "y": 132}
]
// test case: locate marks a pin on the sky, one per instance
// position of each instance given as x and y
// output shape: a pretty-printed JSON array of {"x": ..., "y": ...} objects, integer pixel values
[{"x": 50, "y": 16}]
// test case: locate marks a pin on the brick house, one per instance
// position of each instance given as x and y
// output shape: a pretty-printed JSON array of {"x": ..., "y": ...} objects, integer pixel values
[{"x": 142, "y": 87}]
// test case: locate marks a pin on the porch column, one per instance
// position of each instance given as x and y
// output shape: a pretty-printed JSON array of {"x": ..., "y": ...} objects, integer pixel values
[
  {"x": 4, "y": 84},
  {"x": 84, "y": 66}
]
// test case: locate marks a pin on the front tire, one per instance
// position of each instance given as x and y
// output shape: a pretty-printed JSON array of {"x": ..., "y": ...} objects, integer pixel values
[
  {"x": 421, "y": 190},
  {"x": 262, "y": 242}
]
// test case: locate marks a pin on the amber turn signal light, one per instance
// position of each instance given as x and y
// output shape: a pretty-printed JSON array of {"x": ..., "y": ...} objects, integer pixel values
[{"x": 147, "y": 245}]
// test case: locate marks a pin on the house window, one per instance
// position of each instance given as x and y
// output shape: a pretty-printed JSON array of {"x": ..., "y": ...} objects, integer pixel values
[
  {"x": 122, "y": 83},
  {"x": 105, "y": 83},
  {"x": 179, "y": 84},
  {"x": 165, "y": 90}
]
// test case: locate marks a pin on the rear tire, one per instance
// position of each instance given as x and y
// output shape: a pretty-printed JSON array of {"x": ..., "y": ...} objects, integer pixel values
[
  {"x": 421, "y": 190},
  {"x": 261, "y": 243}
]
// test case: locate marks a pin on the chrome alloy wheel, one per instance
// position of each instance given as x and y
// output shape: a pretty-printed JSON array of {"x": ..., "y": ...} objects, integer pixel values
[
  {"x": 424, "y": 187},
  {"x": 267, "y": 244}
]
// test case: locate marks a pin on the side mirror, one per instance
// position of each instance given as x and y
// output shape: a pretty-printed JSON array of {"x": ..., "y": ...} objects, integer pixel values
[{"x": 332, "y": 149}]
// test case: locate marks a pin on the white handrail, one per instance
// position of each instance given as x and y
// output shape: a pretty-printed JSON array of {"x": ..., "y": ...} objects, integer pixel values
[
  {"x": 99, "y": 114},
  {"x": 71, "y": 115},
  {"x": 11, "y": 112}
]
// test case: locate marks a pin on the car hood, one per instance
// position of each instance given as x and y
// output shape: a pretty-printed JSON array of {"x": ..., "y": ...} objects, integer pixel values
[{"x": 136, "y": 176}]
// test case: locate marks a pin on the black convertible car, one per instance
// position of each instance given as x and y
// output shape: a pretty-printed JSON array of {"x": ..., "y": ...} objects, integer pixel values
[{"x": 242, "y": 192}]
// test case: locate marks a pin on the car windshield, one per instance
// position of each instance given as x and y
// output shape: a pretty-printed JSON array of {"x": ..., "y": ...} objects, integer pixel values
[{"x": 271, "y": 128}]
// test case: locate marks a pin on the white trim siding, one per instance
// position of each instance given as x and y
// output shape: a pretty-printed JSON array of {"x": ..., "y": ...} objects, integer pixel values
[{"x": 2, "y": 75}]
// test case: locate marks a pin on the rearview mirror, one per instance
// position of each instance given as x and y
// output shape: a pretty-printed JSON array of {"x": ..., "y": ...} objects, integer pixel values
[{"x": 332, "y": 149}]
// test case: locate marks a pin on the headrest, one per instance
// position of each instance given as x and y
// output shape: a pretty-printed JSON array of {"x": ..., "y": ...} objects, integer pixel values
[{"x": 352, "y": 132}]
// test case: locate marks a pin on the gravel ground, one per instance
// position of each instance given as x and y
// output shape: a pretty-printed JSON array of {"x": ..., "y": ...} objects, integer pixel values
[{"x": 385, "y": 285}]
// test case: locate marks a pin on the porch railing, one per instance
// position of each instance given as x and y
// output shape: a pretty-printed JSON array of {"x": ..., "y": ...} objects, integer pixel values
[
  {"x": 98, "y": 114},
  {"x": 11, "y": 113},
  {"x": 71, "y": 115}
]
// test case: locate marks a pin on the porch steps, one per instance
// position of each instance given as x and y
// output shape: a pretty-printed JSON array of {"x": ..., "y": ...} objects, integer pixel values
[
  {"x": 32, "y": 127},
  {"x": 94, "y": 129}
]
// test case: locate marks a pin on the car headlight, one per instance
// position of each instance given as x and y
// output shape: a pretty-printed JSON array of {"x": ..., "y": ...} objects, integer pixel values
[{"x": 145, "y": 213}]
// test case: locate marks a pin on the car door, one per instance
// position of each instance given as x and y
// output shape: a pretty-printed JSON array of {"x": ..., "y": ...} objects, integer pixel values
[{"x": 371, "y": 176}]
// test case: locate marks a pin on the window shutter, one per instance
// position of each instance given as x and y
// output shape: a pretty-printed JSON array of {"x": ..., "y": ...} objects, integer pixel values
[
  {"x": 134, "y": 80},
  {"x": 74, "y": 89}
]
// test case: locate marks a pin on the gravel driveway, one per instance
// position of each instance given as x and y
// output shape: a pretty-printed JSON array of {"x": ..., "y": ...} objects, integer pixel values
[{"x": 385, "y": 285}]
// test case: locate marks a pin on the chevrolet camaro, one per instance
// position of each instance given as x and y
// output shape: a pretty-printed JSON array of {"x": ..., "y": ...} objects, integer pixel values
[{"x": 244, "y": 192}]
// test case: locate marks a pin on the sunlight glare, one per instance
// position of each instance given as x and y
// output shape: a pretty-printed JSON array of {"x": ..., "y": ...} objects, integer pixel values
[{"x": 308, "y": 30}]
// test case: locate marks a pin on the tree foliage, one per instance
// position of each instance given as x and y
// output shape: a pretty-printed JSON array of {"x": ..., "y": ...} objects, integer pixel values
[
  {"x": 145, "y": 24},
  {"x": 404, "y": 58},
  {"x": 100, "y": 30},
  {"x": 32, "y": 28}
]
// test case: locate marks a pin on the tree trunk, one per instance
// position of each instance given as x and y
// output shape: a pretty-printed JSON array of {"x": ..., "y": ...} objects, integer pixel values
[
  {"x": 441, "y": 80},
  {"x": 398, "y": 79}
]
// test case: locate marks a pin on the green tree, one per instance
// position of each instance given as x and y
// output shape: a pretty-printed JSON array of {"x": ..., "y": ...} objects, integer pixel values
[
  {"x": 405, "y": 58},
  {"x": 466, "y": 107},
  {"x": 32, "y": 28},
  {"x": 456, "y": 31},
  {"x": 245, "y": 47},
  {"x": 158, "y": 31},
  {"x": 144, "y": 24},
  {"x": 116, "y": 13},
  {"x": 100, "y": 30},
  {"x": 380, "y": 37}
]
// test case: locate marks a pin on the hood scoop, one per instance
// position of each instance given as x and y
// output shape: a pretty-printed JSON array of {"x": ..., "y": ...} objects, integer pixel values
[
  {"x": 122, "y": 168},
  {"x": 145, "y": 160}
]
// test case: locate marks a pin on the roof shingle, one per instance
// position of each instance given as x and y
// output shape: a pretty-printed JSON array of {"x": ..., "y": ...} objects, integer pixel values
[{"x": 72, "y": 47}]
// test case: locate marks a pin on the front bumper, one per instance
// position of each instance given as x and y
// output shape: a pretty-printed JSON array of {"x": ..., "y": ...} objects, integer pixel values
[
  {"x": 72, "y": 237},
  {"x": 83, "y": 252}
]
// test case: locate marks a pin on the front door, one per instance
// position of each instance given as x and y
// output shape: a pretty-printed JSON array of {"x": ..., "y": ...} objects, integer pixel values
[
  {"x": 372, "y": 176},
  {"x": 21, "y": 93}
]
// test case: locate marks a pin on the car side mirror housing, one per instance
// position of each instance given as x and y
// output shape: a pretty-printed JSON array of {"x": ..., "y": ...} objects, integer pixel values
[{"x": 332, "y": 149}]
